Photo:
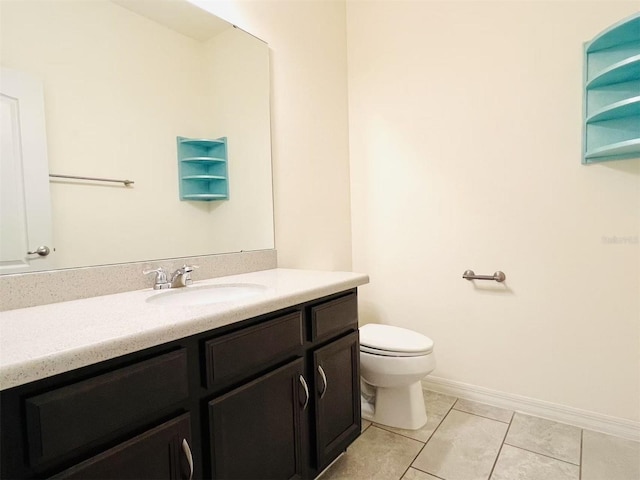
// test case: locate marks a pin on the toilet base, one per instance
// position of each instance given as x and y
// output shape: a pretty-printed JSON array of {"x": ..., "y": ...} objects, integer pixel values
[{"x": 401, "y": 407}]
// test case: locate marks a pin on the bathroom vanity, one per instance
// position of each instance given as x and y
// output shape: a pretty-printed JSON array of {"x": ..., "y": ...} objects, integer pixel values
[{"x": 262, "y": 387}]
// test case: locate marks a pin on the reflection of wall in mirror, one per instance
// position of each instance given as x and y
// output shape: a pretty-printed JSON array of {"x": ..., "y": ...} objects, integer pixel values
[
  {"x": 239, "y": 99},
  {"x": 99, "y": 125}
]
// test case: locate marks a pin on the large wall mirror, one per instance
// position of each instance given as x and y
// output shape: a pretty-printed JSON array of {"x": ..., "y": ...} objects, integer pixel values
[{"x": 121, "y": 80}]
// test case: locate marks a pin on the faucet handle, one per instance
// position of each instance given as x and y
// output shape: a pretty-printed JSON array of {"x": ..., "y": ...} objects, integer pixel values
[
  {"x": 160, "y": 272},
  {"x": 161, "y": 278},
  {"x": 187, "y": 269},
  {"x": 182, "y": 276}
]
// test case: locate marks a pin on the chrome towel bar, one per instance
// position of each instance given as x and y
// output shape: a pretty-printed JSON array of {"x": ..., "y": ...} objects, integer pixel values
[
  {"x": 498, "y": 276},
  {"x": 72, "y": 177}
]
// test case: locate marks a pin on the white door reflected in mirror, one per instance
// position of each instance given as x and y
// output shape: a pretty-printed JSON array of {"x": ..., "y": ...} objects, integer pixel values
[{"x": 25, "y": 206}]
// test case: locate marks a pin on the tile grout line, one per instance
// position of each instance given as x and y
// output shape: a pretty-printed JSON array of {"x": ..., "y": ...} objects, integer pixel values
[
  {"x": 484, "y": 416},
  {"x": 495, "y": 462},
  {"x": 362, "y": 430},
  {"x": 425, "y": 443},
  {"x": 380, "y": 427},
  {"x": 385, "y": 428},
  {"x": 542, "y": 454},
  {"x": 431, "y": 474}
]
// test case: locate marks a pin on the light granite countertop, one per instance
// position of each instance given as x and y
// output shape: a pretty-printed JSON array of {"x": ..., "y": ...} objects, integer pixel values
[{"x": 42, "y": 341}]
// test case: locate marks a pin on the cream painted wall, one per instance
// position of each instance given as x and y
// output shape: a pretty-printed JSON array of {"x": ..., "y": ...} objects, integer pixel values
[
  {"x": 238, "y": 85},
  {"x": 309, "y": 125},
  {"x": 465, "y": 153}
]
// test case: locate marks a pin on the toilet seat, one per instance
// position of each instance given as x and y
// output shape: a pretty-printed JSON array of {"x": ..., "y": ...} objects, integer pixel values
[{"x": 386, "y": 340}]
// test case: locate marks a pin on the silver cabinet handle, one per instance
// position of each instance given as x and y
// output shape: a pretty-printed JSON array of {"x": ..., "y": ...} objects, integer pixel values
[
  {"x": 42, "y": 250},
  {"x": 324, "y": 381},
  {"x": 303, "y": 382},
  {"x": 187, "y": 453}
]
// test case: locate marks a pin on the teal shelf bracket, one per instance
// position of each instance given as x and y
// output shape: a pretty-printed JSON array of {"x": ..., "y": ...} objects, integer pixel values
[
  {"x": 202, "y": 169},
  {"x": 611, "y": 95}
]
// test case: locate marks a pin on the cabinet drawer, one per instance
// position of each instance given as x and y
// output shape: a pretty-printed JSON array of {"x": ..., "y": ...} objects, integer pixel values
[
  {"x": 334, "y": 317},
  {"x": 78, "y": 415},
  {"x": 238, "y": 355},
  {"x": 162, "y": 453}
]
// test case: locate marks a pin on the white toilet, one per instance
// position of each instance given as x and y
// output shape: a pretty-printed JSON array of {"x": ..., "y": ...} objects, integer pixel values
[{"x": 393, "y": 360}]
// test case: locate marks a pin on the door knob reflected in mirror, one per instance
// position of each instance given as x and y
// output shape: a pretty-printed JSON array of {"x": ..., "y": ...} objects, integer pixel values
[{"x": 43, "y": 251}]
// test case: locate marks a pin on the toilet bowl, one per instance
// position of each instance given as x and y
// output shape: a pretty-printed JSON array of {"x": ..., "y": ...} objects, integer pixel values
[{"x": 393, "y": 360}]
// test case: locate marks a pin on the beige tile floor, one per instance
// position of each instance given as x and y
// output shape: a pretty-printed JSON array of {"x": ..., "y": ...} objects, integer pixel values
[{"x": 465, "y": 440}]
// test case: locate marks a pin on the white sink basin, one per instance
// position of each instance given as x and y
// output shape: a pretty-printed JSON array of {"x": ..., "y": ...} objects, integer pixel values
[{"x": 206, "y": 294}]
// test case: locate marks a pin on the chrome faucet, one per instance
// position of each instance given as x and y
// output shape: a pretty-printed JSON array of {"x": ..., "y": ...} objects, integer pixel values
[
  {"x": 161, "y": 278},
  {"x": 182, "y": 276}
]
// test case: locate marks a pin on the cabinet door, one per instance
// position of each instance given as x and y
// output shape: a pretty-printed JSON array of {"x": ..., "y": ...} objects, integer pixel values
[
  {"x": 256, "y": 428},
  {"x": 337, "y": 382},
  {"x": 158, "y": 454}
]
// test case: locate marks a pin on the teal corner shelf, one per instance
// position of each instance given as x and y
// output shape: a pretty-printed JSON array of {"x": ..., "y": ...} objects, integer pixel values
[
  {"x": 202, "y": 169},
  {"x": 611, "y": 126}
]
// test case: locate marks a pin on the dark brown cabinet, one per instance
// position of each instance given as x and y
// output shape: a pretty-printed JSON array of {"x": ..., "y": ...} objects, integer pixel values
[
  {"x": 271, "y": 397},
  {"x": 237, "y": 355},
  {"x": 337, "y": 370},
  {"x": 72, "y": 417},
  {"x": 163, "y": 453},
  {"x": 295, "y": 420},
  {"x": 256, "y": 429}
]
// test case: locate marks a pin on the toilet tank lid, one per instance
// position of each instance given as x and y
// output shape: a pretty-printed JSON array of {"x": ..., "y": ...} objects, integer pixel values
[{"x": 394, "y": 339}]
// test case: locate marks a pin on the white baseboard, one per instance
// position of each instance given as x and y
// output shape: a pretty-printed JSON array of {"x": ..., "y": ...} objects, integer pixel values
[{"x": 619, "y": 427}]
